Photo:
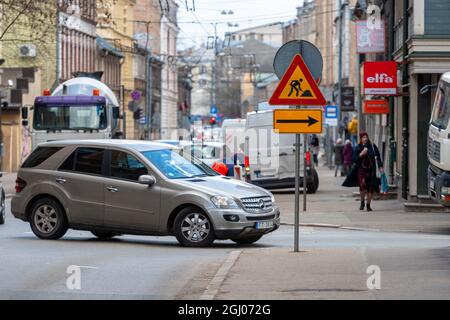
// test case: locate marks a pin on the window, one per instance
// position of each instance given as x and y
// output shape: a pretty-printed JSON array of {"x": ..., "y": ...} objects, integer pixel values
[
  {"x": 68, "y": 163},
  {"x": 176, "y": 166},
  {"x": 441, "y": 111},
  {"x": 126, "y": 166},
  {"x": 70, "y": 117},
  {"x": 40, "y": 155},
  {"x": 89, "y": 160}
]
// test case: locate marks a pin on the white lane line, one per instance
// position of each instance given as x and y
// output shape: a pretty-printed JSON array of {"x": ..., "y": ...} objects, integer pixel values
[{"x": 214, "y": 286}]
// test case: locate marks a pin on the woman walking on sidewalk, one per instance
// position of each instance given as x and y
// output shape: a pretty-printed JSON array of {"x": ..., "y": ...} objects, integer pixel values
[
  {"x": 367, "y": 162},
  {"x": 348, "y": 156},
  {"x": 338, "y": 157}
]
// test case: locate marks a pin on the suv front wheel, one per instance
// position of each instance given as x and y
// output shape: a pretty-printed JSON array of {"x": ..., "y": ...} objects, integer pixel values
[
  {"x": 193, "y": 228},
  {"x": 48, "y": 220}
]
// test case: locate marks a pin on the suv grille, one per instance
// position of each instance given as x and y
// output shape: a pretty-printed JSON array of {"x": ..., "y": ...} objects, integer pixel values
[
  {"x": 434, "y": 150},
  {"x": 257, "y": 204}
]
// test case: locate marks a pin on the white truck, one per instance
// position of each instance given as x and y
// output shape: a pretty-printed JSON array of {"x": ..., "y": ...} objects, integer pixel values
[
  {"x": 439, "y": 144},
  {"x": 270, "y": 157},
  {"x": 80, "y": 108}
]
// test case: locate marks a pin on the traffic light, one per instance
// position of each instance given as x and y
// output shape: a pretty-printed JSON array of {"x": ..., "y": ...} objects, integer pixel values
[
  {"x": 138, "y": 114},
  {"x": 212, "y": 121}
]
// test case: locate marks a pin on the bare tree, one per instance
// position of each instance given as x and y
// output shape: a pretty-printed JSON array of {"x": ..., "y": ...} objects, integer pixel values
[{"x": 36, "y": 20}]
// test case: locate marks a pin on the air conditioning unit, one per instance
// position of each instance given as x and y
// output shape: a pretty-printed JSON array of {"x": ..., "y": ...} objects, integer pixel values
[{"x": 27, "y": 51}]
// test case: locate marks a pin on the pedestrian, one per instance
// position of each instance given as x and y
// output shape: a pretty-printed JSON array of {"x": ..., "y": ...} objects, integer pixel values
[
  {"x": 348, "y": 156},
  {"x": 315, "y": 148},
  {"x": 353, "y": 130},
  {"x": 338, "y": 156},
  {"x": 367, "y": 163}
]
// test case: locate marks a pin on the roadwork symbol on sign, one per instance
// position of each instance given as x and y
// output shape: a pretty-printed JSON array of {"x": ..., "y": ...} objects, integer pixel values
[
  {"x": 297, "y": 120},
  {"x": 297, "y": 87}
]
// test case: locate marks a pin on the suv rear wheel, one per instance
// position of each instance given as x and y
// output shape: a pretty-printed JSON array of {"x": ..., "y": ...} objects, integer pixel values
[
  {"x": 312, "y": 188},
  {"x": 48, "y": 220},
  {"x": 193, "y": 228},
  {"x": 2, "y": 208}
]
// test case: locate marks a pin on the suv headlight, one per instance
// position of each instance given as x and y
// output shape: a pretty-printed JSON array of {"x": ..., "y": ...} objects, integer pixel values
[
  {"x": 272, "y": 198},
  {"x": 224, "y": 202}
]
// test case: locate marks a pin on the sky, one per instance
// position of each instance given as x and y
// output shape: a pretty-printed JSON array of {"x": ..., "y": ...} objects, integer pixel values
[{"x": 196, "y": 26}]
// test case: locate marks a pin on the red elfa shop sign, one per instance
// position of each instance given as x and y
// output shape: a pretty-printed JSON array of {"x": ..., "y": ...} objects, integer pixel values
[
  {"x": 376, "y": 106},
  {"x": 380, "y": 78}
]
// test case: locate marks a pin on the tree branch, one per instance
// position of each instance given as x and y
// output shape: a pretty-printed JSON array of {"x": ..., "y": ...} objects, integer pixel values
[{"x": 15, "y": 19}]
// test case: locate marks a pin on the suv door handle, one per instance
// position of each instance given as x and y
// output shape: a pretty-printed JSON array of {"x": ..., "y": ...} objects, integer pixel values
[
  {"x": 112, "y": 189},
  {"x": 61, "y": 180}
]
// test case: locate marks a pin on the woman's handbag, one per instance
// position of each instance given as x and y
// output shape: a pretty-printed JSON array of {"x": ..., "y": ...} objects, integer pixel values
[
  {"x": 377, "y": 172},
  {"x": 384, "y": 184}
]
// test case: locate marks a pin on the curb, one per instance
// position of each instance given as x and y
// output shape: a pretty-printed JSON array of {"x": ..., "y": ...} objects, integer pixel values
[
  {"x": 317, "y": 225},
  {"x": 336, "y": 226},
  {"x": 214, "y": 286}
]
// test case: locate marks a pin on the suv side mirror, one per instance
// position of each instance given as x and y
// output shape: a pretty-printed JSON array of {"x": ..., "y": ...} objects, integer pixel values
[{"x": 147, "y": 180}]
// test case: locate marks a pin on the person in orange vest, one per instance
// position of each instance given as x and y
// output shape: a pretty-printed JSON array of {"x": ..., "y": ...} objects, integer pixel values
[{"x": 353, "y": 130}]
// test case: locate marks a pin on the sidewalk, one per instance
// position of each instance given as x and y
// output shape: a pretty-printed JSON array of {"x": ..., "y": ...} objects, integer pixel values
[
  {"x": 335, "y": 206},
  {"x": 9, "y": 181}
]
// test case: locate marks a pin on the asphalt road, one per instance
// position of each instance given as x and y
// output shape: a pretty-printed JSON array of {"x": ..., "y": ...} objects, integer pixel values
[{"x": 132, "y": 267}]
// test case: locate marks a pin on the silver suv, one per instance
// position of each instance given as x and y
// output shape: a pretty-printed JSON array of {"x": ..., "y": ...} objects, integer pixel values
[{"x": 113, "y": 187}]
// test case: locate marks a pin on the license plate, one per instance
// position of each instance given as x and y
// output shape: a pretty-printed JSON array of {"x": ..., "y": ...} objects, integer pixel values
[
  {"x": 432, "y": 184},
  {"x": 264, "y": 225}
]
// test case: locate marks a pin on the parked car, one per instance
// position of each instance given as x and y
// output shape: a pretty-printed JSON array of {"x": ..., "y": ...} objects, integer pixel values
[
  {"x": 113, "y": 187},
  {"x": 2, "y": 203}
]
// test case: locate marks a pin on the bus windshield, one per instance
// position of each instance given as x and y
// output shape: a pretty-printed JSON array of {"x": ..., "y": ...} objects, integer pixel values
[
  {"x": 79, "y": 117},
  {"x": 441, "y": 109}
]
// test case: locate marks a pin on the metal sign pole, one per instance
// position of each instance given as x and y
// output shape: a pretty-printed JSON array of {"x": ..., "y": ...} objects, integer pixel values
[
  {"x": 305, "y": 141},
  {"x": 297, "y": 193}
]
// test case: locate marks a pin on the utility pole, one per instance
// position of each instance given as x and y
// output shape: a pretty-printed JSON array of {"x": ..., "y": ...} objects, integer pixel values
[
  {"x": 340, "y": 27},
  {"x": 214, "y": 68}
]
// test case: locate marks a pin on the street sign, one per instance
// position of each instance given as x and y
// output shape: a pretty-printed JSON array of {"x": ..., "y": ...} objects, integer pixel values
[
  {"x": 380, "y": 78},
  {"x": 347, "y": 99},
  {"x": 310, "y": 53},
  {"x": 376, "y": 107},
  {"x": 297, "y": 120},
  {"x": 331, "y": 112},
  {"x": 136, "y": 95},
  {"x": 297, "y": 87},
  {"x": 331, "y": 116}
]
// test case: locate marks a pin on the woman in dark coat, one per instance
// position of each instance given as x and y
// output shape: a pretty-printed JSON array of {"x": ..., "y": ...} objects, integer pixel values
[
  {"x": 348, "y": 156},
  {"x": 366, "y": 157}
]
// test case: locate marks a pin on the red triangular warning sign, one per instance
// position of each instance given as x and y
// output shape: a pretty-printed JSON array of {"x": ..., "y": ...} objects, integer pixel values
[{"x": 297, "y": 87}]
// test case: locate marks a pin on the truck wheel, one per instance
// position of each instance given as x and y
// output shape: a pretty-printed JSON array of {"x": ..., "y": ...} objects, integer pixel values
[
  {"x": 48, "y": 220},
  {"x": 104, "y": 235},
  {"x": 312, "y": 188},
  {"x": 2, "y": 209},
  {"x": 193, "y": 228},
  {"x": 247, "y": 240}
]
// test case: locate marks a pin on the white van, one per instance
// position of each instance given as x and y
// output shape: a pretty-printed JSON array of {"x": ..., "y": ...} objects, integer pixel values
[{"x": 270, "y": 157}]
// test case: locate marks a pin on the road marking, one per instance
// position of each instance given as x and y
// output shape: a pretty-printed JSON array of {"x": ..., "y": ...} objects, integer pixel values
[{"x": 214, "y": 286}]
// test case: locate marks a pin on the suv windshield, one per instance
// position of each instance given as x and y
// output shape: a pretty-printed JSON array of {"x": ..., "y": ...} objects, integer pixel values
[
  {"x": 175, "y": 164},
  {"x": 441, "y": 109},
  {"x": 91, "y": 117}
]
